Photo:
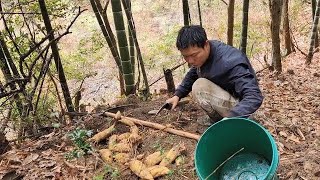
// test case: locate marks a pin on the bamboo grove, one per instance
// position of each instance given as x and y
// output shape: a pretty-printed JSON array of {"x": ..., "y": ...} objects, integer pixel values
[{"x": 32, "y": 68}]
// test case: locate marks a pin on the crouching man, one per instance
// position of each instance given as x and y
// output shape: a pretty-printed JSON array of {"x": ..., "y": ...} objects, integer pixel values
[{"x": 221, "y": 78}]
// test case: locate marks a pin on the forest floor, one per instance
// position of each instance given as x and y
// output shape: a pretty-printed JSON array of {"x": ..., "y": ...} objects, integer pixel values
[{"x": 290, "y": 111}]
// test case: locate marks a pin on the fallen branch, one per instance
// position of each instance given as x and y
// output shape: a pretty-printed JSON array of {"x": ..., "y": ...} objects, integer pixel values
[{"x": 156, "y": 126}]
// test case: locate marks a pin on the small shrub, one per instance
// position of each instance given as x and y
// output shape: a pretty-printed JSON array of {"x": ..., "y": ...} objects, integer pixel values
[{"x": 79, "y": 137}]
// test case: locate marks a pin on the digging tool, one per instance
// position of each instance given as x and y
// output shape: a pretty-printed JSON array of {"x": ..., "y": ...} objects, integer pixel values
[
  {"x": 164, "y": 106},
  {"x": 168, "y": 106}
]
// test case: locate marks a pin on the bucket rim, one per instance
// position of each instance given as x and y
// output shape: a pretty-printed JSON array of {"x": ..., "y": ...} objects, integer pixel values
[{"x": 275, "y": 155}]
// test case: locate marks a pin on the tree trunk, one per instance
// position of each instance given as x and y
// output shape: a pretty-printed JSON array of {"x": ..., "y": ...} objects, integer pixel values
[
  {"x": 199, "y": 12},
  {"x": 314, "y": 3},
  {"x": 230, "y": 22},
  {"x": 286, "y": 28},
  {"x": 135, "y": 40},
  {"x": 313, "y": 33},
  {"x": 4, "y": 66},
  {"x": 123, "y": 47},
  {"x": 275, "y": 11},
  {"x": 131, "y": 43},
  {"x": 8, "y": 76},
  {"x": 109, "y": 36},
  {"x": 244, "y": 32},
  {"x": 169, "y": 80},
  {"x": 56, "y": 57},
  {"x": 13, "y": 67},
  {"x": 186, "y": 13}
]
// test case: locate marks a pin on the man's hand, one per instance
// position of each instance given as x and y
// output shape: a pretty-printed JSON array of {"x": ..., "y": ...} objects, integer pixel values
[{"x": 174, "y": 101}]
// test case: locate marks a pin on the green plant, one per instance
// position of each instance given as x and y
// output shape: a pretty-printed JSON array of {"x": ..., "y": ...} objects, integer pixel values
[
  {"x": 108, "y": 171},
  {"x": 78, "y": 63},
  {"x": 158, "y": 147},
  {"x": 79, "y": 137},
  {"x": 171, "y": 173}
]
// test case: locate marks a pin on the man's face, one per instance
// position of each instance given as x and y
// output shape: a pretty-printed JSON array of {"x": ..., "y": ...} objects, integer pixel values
[{"x": 196, "y": 56}]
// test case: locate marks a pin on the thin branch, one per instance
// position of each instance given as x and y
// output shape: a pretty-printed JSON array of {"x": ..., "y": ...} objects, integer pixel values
[
  {"x": 5, "y": 101},
  {"x": 224, "y": 163},
  {"x": 34, "y": 47},
  {"x": 57, "y": 90},
  {"x": 295, "y": 44},
  {"x": 18, "y": 13},
  {"x": 172, "y": 69},
  {"x": 22, "y": 58},
  {"x": 16, "y": 80},
  {"x": 224, "y": 2},
  {"x": 10, "y": 93},
  {"x": 106, "y": 6},
  {"x": 33, "y": 36},
  {"x": 45, "y": 70},
  {"x": 7, "y": 29}
]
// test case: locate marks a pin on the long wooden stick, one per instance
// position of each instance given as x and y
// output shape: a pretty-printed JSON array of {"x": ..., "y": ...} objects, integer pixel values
[{"x": 157, "y": 126}]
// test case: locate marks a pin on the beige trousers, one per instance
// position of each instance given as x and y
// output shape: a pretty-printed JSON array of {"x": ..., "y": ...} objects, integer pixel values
[{"x": 212, "y": 98}]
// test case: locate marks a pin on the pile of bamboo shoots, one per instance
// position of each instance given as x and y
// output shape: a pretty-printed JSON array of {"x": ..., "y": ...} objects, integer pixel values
[
  {"x": 120, "y": 150},
  {"x": 155, "y": 164}
]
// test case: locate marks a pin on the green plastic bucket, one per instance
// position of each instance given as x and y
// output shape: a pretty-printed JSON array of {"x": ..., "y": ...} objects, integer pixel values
[{"x": 219, "y": 144}]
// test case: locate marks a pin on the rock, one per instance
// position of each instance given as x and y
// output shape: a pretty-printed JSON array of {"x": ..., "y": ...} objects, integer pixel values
[{"x": 153, "y": 112}]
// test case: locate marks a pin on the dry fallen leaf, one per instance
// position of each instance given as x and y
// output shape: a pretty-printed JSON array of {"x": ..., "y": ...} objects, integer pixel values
[
  {"x": 301, "y": 134},
  {"x": 29, "y": 159},
  {"x": 293, "y": 138},
  {"x": 282, "y": 133},
  {"x": 46, "y": 164}
]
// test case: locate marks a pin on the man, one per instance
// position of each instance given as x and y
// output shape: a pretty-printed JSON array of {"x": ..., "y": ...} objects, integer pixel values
[{"x": 221, "y": 78}]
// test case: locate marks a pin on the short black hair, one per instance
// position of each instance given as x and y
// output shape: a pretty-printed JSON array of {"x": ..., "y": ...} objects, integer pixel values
[{"x": 194, "y": 35}]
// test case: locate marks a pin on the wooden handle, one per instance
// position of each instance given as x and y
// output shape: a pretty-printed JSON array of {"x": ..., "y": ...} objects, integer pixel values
[{"x": 157, "y": 126}]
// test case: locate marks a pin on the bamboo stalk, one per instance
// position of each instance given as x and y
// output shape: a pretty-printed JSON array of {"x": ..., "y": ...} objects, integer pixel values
[
  {"x": 313, "y": 33},
  {"x": 244, "y": 32},
  {"x": 135, "y": 40},
  {"x": 157, "y": 126}
]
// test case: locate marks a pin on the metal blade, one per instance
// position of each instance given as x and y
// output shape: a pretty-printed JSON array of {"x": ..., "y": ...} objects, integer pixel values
[{"x": 164, "y": 106}]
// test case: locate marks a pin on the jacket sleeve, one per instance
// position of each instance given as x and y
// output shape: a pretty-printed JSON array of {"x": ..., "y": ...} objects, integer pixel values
[
  {"x": 186, "y": 85},
  {"x": 246, "y": 87}
]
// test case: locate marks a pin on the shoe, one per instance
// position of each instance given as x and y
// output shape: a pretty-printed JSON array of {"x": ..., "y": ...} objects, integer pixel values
[
  {"x": 209, "y": 119},
  {"x": 205, "y": 120}
]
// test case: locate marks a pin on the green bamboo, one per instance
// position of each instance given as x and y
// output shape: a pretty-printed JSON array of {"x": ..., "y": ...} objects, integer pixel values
[
  {"x": 56, "y": 56},
  {"x": 313, "y": 4},
  {"x": 186, "y": 13},
  {"x": 4, "y": 67},
  {"x": 123, "y": 47},
  {"x": 199, "y": 12},
  {"x": 230, "y": 22},
  {"x": 104, "y": 24},
  {"x": 313, "y": 33},
  {"x": 108, "y": 35},
  {"x": 134, "y": 35},
  {"x": 244, "y": 32},
  {"x": 131, "y": 43}
]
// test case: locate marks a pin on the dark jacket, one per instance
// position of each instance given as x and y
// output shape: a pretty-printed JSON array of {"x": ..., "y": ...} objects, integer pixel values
[{"x": 229, "y": 68}]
